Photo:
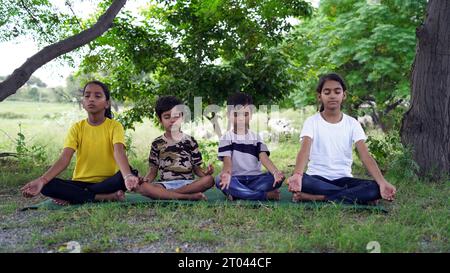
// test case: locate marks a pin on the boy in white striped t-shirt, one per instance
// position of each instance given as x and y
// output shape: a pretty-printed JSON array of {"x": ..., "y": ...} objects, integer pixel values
[{"x": 243, "y": 152}]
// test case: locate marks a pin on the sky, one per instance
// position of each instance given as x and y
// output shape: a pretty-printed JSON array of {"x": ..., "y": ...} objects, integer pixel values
[{"x": 15, "y": 52}]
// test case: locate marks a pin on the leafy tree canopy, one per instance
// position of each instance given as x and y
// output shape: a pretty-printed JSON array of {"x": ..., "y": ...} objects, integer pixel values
[{"x": 371, "y": 45}]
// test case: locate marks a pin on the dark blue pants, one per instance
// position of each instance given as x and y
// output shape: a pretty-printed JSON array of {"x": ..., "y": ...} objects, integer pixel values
[
  {"x": 348, "y": 190},
  {"x": 77, "y": 192},
  {"x": 250, "y": 187}
]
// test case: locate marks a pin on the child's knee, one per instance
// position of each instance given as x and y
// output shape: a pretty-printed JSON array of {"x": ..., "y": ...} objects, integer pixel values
[
  {"x": 217, "y": 181},
  {"x": 48, "y": 188},
  {"x": 45, "y": 190},
  {"x": 307, "y": 182},
  {"x": 209, "y": 181},
  {"x": 373, "y": 190}
]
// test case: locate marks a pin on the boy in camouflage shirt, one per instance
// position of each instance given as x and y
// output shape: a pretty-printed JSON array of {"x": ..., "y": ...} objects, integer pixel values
[{"x": 176, "y": 155}]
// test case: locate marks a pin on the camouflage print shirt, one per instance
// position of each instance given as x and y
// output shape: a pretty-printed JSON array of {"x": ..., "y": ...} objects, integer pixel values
[{"x": 175, "y": 160}]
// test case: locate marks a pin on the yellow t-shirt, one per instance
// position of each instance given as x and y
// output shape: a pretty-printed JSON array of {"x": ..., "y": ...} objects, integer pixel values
[{"x": 94, "y": 146}]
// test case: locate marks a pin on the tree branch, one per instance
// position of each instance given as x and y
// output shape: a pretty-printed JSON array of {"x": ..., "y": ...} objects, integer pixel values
[
  {"x": 68, "y": 4},
  {"x": 21, "y": 75},
  {"x": 392, "y": 106},
  {"x": 33, "y": 18}
]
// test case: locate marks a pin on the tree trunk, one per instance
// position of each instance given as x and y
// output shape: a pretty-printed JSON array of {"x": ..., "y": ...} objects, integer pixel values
[
  {"x": 21, "y": 75},
  {"x": 426, "y": 125}
]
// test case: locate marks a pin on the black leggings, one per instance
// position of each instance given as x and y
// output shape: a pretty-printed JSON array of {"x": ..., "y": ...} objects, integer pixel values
[{"x": 77, "y": 192}]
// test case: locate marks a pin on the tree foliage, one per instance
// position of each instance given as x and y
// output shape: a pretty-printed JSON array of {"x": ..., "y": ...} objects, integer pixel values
[
  {"x": 371, "y": 45},
  {"x": 56, "y": 49},
  {"x": 196, "y": 48}
]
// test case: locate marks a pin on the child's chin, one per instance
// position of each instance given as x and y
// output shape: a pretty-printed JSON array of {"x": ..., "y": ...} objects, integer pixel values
[
  {"x": 240, "y": 127},
  {"x": 91, "y": 111},
  {"x": 332, "y": 107}
]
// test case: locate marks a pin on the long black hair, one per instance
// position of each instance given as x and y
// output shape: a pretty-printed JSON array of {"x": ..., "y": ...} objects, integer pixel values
[
  {"x": 330, "y": 77},
  {"x": 105, "y": 88}
]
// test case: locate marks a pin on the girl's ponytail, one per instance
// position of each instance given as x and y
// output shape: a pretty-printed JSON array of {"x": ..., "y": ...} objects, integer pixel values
[
  {"x": 321, "y": 108},
  {"x": 108, "y": 113}
]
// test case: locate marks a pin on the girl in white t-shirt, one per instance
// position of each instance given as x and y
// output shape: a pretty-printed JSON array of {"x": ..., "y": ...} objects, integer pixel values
[{"x": 327, "y": 139}]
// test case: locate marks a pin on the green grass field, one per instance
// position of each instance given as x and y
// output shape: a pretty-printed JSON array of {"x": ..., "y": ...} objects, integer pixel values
[{"x": 418, "y": 221}]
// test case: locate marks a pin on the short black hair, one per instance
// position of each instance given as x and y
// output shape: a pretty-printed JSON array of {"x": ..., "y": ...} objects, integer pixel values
[
  {"x": 239, "y": 98},
  {"x": 166, "y": 103}
]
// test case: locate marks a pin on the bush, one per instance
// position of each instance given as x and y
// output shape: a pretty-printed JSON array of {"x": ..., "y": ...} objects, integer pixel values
[
  {"x": 392, "y": 156},
  {"x": 208, "y": 149},
  {"x": 53, "y": 116},
  {"x": 131, "y": 149},
  {"x": 29, "y": 155},
  {"x": 384, "y": 147},
  {"x": 10, "y": 115},
  {"x": 404, "y": 167}
]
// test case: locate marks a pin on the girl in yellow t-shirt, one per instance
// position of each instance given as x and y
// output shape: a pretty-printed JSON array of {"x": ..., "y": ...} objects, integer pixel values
[{"x": 102, "y": 172}]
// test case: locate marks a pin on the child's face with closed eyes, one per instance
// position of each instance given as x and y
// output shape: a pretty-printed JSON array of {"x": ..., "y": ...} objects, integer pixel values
[
  {"x": 172, "y": 119},
  {"x": 240, "y": 117},
  {"x": 94, "y": 99},
  {"x": 332, "y": 95}
]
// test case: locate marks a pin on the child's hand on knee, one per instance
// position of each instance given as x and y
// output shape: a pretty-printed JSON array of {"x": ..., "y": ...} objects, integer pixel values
[
  {"x": 225, "y": 179},
  {"x": 295, "y": 182},
  {"x": 387, "y": 191},
  {"x": 210, "y": 170},
  {"x": 131, "y": 182},
  {"x": 143, "y": 180},
  {"x": 278, "y": 176},
  {"x": 33, "y": 188}
]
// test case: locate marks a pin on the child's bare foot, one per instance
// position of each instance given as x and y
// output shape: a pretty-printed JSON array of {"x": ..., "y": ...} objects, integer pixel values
[
  {"x": 296, "y": 197},
  {"x": 204, "y": 197},
  {"x": 198, "y": 196},
  {"x": 120, "y": 196},
  {"x": 60, "y": 202},
  {"x": 301, "y": 196},
  {"x": 115, "y": 196},
  {"x": 273, "y": 195}
]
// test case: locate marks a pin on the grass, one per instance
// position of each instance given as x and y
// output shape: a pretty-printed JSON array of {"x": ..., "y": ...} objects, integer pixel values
[{"x": 417, "y": 222}]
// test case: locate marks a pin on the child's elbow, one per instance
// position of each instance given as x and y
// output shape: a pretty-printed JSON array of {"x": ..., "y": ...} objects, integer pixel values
[
  {"x": 263, "y": 156},
  {"x": 65, "y": 159}
]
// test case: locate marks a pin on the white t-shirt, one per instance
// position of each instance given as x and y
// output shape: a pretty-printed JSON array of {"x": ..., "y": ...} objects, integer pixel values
[{"x": 331, "y": 149}]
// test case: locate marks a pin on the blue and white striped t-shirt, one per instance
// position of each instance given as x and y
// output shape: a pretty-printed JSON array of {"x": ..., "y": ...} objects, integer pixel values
[{"x": 244, "y": 152}]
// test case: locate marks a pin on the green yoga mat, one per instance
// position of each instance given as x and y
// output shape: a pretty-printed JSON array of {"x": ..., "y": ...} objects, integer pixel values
[{"x": 215, "y": 198}]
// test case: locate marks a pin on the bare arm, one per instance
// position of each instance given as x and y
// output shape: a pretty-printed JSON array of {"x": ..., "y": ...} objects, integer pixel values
[
  {"x": 300, "y": 164},
  {"x": 386, "y": 189},
  {"x": 303, "y": 155},
  {"x": 227, "y": 164},
  {"x": 60, "y": 165},
  {"x": 151, "y": 175},
  {"x": 131, "y": 181},
  {"x": 121, "y": 159},
  {"x": 369, "y": 162},
  {"x": 225, "y": 175},
  {"x": 268, "y": 164},
  {"x": 34, "y": 187},
  {"x": 201, "y": 173}
]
